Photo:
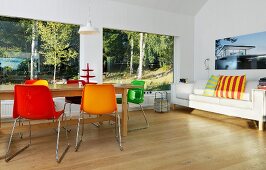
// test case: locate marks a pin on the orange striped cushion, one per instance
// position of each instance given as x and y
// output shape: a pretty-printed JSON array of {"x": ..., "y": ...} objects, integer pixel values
[{"x": 231, "y": 87}]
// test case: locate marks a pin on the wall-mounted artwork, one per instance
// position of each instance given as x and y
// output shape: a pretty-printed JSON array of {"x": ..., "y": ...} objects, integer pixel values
[{"x": 241, "y": 52}]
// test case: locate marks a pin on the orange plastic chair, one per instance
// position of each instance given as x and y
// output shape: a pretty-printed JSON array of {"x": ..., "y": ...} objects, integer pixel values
[
  {"x": 98, "y": 100},
  {"x": 37, "y": 82},
  {"x": 34, "y": 102}
]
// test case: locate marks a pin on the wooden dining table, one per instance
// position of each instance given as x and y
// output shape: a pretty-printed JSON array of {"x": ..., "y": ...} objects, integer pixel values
[{"x": 69, "y": 90}]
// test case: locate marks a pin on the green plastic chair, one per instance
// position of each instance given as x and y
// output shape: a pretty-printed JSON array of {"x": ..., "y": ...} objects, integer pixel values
[{"x": 136, "y": 96}]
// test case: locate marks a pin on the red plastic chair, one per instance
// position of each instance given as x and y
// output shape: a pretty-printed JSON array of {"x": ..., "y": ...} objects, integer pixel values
[
  {"x": 34, "y": 102},
  {"x": 34, "y": 82}
]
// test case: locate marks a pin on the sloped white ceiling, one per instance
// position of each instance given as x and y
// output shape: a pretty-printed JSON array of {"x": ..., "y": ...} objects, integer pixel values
[{"x": 186, "y": 7}]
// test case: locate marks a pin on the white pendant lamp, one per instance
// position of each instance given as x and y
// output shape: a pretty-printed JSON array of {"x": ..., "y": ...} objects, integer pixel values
[{"x": 88, "y": 29}]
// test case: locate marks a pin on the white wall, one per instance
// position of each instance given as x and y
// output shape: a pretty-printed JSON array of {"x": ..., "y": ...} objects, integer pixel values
[
  {"x": 110, "y": 14},
  {"x": 226, "y": 18}
]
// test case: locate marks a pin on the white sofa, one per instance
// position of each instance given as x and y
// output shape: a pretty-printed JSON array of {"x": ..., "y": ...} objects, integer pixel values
[{"x": 252, "y": 106}]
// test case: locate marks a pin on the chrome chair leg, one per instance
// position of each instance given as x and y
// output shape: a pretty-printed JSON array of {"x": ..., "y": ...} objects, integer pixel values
[
  {"x": 20, "y": 124},
  {"x": 96, "y": 125},
  {"x": 64, "y": 117},
  {"x": 7, "y": 157},
  {"x": 55, "y": 129},
  {"x": 119, "y": 131},
  {"x": 69, "y": 108},
  {"x": 145, "y": 117},
  {"x": 116, "y": 128},
  {"x": 59, "y": 159},
  {"x": 78, "y": 141},
  {"x": 65, "y": 105}
]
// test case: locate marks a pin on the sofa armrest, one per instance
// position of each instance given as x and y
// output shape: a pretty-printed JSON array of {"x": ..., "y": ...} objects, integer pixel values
[
  {"x": 181, "y": 90},
  {"x": 258, "y": 101}
]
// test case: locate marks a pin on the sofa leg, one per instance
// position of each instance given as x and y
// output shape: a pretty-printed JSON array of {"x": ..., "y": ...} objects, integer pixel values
[
  {"x": 173, "y": 106},
  {"x": 261, "y": 125}
]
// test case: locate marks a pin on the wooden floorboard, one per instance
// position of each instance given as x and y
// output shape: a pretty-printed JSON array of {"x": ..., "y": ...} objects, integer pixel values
[{"x": 180, "y": 139}]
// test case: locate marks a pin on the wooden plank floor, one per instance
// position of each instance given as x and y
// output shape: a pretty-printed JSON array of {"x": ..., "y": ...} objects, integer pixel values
[{"x": 180, "y": 139}]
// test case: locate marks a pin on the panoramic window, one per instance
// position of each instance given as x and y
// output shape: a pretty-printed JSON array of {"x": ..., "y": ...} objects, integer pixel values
[
  {"x": 133, "y": 55},
  {"x": 37, "y": 50}
]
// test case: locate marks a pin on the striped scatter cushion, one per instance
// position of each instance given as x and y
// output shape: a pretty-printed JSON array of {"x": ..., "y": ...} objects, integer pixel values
[
  {"x": 211, "y": 86},
  {"x": 231, "y": 87}
]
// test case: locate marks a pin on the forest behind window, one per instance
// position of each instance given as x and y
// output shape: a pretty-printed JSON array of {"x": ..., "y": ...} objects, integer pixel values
[
  {"x": 38, "y": 50},
  {"x": 134, "y": 55}
]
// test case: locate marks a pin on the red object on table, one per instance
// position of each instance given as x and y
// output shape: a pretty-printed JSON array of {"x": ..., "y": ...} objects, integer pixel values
[
  {"x": 88, "y": 76},
  {"x": 76, "y": 82}
]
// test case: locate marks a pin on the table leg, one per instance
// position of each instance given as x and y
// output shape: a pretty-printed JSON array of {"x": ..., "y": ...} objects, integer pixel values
[{"x": 124, "y": 112}]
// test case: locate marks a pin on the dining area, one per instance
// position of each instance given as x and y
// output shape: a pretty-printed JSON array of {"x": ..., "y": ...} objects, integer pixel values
[{"x": 33, "y": 102}]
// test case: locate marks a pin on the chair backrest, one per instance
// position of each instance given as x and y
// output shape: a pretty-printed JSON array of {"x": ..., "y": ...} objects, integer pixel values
[
  {"x": 37, "y": 82},
  {"x": 98, "y": 99},
  {"x": 76, "y": 82},
  {"x": 33, "y": 102},
  {"x": 136, "y": 95}
]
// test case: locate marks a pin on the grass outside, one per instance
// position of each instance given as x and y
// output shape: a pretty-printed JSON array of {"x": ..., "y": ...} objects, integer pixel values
[{"x": 154, "y": 80}]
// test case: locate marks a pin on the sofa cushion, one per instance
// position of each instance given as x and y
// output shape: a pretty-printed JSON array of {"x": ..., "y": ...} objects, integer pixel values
[
  {"x": 236, "y": 103},
  {"x": 206, "y": 99},
  {"x": 211, "y": 86},
  {"x": 221, "y": 101},
  {"x": 231, "y": 87},
  {"x": 199, "y": 86},
  {"x": 183, "y": 90}
]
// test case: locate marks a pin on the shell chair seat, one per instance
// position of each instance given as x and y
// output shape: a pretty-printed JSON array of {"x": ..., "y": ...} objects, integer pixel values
[
  {"x": 136, "y": 96},
  {"x": 35, "y": 102},
  {"x": 98, "y": 99}
]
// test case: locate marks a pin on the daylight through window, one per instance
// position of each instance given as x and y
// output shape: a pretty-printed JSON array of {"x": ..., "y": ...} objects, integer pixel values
[
  {"x": 37, "y": 49},
  {"x": 134, "y": 55}
]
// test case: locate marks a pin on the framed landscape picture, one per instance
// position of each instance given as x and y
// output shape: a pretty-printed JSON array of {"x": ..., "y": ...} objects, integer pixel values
[{"x": 241, "y": 52}]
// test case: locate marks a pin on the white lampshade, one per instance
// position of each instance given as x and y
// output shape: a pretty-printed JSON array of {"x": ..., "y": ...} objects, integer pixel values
[{"x": 88, "y": 29}]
